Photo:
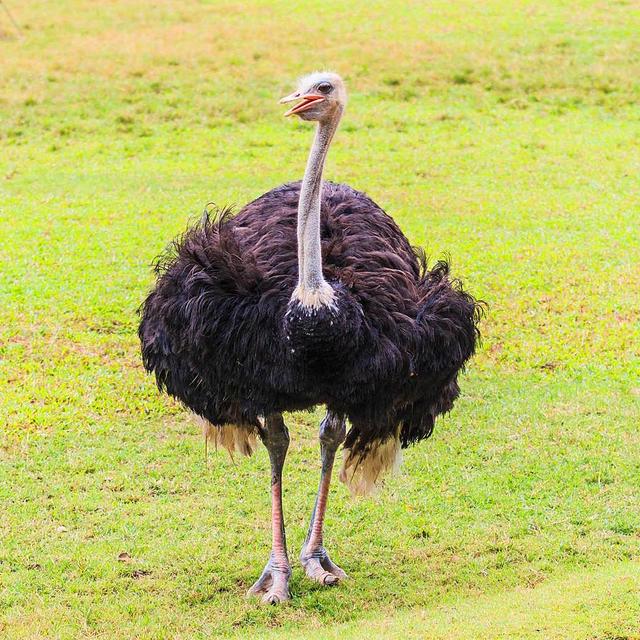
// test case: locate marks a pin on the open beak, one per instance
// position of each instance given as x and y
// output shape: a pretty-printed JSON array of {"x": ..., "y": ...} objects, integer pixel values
[{"x": 307, "y": 100}]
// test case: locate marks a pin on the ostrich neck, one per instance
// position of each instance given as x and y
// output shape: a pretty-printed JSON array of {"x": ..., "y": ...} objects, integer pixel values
[{"x": 312, "y": 287}]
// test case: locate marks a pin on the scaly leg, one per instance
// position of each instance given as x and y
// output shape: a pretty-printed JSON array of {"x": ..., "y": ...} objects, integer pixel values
[
  {"x": 314, "y": 556},
  {"x": 273, "y": 584}
]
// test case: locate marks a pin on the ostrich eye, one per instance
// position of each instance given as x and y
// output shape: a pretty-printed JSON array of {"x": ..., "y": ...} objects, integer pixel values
[{"x": 325, "y": 87}]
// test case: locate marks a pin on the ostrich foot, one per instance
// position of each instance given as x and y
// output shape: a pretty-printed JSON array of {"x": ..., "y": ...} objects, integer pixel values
[
  {"x": 273, "y": 585},
  {"x": 319, "y": 567}
]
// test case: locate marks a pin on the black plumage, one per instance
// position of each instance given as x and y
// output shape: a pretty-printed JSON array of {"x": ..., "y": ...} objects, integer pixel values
[{"x": 221, "y": 332}]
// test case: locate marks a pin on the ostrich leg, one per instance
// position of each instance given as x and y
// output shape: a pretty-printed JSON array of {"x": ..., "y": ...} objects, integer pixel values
[
  {"x": 273, "y": 584},
  {"x": 314, "y": 556}
]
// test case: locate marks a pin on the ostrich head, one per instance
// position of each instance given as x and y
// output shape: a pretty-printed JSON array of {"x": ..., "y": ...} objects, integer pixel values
[{"x": 321, "y": 96}]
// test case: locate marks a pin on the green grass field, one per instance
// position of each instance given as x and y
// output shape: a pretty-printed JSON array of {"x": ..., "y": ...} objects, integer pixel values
[{"x": 505, "y": 133}]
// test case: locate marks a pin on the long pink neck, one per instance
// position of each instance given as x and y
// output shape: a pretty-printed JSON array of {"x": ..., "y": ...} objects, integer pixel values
[{"x": 310, "y": 275}]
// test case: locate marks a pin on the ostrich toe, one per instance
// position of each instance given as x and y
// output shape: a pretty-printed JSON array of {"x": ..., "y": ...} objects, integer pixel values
[
  {"x": 272, "y": 586},
  {"x": 319, "y": 567}
]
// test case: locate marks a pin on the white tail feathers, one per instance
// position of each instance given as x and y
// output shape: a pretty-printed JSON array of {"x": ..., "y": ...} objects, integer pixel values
[
  {"x": 234, "y": 438},
  {"x": 364, "y": 475}
]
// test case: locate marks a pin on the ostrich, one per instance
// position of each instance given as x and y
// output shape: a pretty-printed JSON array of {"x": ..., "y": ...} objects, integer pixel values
[{"x": 310, "y": 295}]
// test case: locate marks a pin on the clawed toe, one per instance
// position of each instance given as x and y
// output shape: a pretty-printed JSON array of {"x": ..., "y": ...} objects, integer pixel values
[
  {"x": 319, "y": 567},
  {"x": 275, "y": 598},
  {"x": 272, "y": 586},
  {"x": 273, "y": 595},
  {"x": 330, "y": 579}
]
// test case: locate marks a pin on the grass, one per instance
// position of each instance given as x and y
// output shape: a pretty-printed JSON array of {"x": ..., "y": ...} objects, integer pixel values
[
  {"x": 505, "y": 133},
  {"x": 585, "y": 604}
]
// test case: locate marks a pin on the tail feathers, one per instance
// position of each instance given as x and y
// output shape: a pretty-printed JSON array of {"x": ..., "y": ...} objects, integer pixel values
[
  {"x": 207, "y": 260},
  {"x": 204, "y": 277},
  {"x": 239, "y": 439},
  {"x": 448, "y": 318},
  {"x": 364, "y": 473}
]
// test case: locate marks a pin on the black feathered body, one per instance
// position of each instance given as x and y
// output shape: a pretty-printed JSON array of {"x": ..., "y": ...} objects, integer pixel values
[{"x": 222, "y": 335}]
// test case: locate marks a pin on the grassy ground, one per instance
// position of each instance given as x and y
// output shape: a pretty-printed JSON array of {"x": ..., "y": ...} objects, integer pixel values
[
  {"x": 505, "y": 133},
  {"x": 584, "y": 604}
]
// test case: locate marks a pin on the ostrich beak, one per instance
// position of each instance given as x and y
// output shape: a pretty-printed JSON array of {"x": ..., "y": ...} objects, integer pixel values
[{"x": 307, "y": 100}]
